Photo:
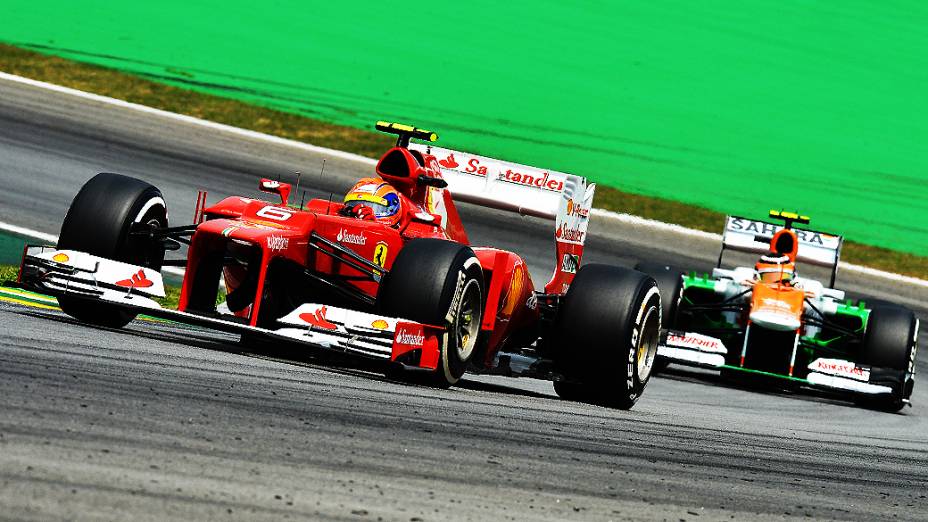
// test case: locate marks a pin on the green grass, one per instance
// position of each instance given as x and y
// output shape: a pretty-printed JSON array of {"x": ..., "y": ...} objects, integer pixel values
[
  {"x": 8, "y": 273},
  {"x": 171, "y": 297},
  {"x": 131, "y": 88}
]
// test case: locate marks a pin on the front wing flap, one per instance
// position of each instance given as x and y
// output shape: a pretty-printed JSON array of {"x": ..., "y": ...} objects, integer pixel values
[
  {"x": 77, "y": 274},
  {"x": 694, "y": 349}
]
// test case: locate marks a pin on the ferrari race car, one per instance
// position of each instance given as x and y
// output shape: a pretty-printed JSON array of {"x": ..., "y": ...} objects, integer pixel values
[
  {"x": 389, "y": 274},
  {"x": 764, "y": 324}
]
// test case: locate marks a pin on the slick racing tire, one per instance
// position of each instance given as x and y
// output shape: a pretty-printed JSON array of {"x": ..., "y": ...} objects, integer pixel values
[
  {"x": 438, "y": 282},
  {"x": 99, "y": 222},
  {"x": 606, "y": 335},
  {"x": 670, "y": 283},
  {"x": 891, "y": 343}
]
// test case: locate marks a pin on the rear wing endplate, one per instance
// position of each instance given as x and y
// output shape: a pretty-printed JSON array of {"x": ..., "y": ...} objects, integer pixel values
[
  {"x": 817, "y": 248},
  {"x": 565, "y": 198}
]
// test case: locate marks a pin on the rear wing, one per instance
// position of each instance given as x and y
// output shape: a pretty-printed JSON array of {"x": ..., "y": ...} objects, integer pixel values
[
  {"x": 748, "y": 235},
  {"x": 565, "y": 198}
]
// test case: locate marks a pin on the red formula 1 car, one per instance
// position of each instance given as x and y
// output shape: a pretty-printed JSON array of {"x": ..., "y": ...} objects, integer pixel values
[{"x": 387, "y": 274}]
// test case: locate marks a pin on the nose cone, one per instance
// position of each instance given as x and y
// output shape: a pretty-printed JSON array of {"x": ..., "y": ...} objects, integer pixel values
[{"x": 777, "y": 307}]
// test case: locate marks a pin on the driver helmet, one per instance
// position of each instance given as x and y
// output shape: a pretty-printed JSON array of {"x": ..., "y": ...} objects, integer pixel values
[
  {"x": 379, "y": 196},
  {"x": 772, "y": 268}
]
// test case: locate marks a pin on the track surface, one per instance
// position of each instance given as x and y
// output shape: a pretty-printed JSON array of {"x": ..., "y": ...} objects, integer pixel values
[{"x": 155, "y": 421}]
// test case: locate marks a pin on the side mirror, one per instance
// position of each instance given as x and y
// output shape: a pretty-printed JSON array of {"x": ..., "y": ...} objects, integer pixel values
[
  {"x": 430, "y": 181},
  {"x": 276, "y": 187}
]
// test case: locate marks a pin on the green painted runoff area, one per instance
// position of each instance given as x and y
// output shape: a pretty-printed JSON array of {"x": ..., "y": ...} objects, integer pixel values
[{"x": 740, "y": 107}]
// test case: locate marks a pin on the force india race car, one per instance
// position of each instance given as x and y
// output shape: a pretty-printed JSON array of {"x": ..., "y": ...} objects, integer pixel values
[
  {"x": 403, "y": 287},
  {"x": 765, "y": 325}
]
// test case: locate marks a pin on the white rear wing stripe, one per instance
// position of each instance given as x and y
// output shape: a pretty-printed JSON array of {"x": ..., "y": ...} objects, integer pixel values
[
  {"x": 502, "y": 185},
  {"x": 817, "y": 248}
]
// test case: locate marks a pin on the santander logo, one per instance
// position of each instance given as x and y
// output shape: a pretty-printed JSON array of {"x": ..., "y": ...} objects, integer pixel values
[
  {"x": 449, "y": 162},
  {"x": 409, "y": 338},
  {"x": 544, "y": 181},
  {"x": 345, "y": 236},
  {"x": 566, "y": 233}
]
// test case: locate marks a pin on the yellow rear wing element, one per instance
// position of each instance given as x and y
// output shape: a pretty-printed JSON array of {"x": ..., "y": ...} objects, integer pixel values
[
  {"x": 789, "y": 217},
  {"x": 405, "y": 132}
]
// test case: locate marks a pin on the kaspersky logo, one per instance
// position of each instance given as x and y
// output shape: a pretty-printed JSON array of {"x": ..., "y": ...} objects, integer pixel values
[
  {"x": 577, "y": 210},
  {"x": 345, "y": 236}
]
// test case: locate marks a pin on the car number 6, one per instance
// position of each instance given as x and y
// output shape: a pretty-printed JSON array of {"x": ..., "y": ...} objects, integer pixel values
[{"x": 272, "y": 212}]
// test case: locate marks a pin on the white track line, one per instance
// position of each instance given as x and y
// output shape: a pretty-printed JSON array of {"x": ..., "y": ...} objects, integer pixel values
[
  {"x": 624, "y": 218},
  {"x": 187, "y": 119}
]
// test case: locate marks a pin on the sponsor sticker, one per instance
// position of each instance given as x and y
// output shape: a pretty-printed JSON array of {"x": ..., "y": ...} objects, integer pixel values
[
  {"x": 137, "y": 280},
  {"x": 577, "y": 210},
  {"x": 840, "y": 368},
  {"x": 569, "y": 234},
  {"x": 695, "y": 341},
  {"x": 318, "y": 319},
  {"x": 380, "y": 254},
  {"x": 408, "y": 337},
  {"x": 277, "y": 242},
  {"x": 532, "y": 302},
  {"x": 570, "y": 263},
  {"x": 380, "y": 324},
  {"x": 768, "y": 229},
  {"x": 543, "y": 181},
  {"x": 449, "y": 162},
  {"x": 60, "y": 258},
  {"x": 776, "y": 304},
  {"x": 345, "y": 236}
]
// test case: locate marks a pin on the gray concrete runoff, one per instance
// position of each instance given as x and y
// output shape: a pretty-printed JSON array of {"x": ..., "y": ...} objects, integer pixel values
[{"x": 156, "y": 422}]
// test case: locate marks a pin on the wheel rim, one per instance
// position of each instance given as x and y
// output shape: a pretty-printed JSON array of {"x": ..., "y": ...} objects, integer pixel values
[
  {"x": 467, "y": 321},
  {"x": 648, "y": 340}
]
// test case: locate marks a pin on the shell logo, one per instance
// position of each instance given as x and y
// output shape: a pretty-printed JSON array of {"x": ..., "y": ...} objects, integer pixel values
[
  {"x": 515, "y": 291},
  {"x": 380, "y": 324},
  {"x": 60, "y": 258}
]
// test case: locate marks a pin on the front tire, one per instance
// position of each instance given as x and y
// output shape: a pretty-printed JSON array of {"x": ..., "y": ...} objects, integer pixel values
[
  {"x": 99, "y": 222},
  {"x": 440, "y": 283},
  {"x": 890, "y": 343},
  {"x": 606, "y": 336}
]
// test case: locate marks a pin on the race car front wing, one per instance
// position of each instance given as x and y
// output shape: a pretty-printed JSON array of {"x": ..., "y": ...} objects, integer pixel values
[
  {"x": 78, "y": 274},
  {"x": 693, "y": 349}
]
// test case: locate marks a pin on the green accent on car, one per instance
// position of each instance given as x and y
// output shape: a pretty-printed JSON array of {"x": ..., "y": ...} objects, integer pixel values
[
  {"x": 694, "y": 280},
  {"x": 767, "y": 374},
  {"x": 858, "y": 310}
]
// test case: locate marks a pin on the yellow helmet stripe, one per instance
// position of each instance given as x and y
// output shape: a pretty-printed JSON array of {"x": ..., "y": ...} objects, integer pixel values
[{"x": 365, "y": 197}]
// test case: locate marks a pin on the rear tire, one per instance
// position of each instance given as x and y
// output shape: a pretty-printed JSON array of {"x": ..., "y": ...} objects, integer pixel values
[
  {"x": 670, "y": 283},
  {"x": 606, "y": 335},
  {"x": 891, "y": 343},
  {"x": 98, "y": 222},
  {"x": 438, "y": 282}
]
